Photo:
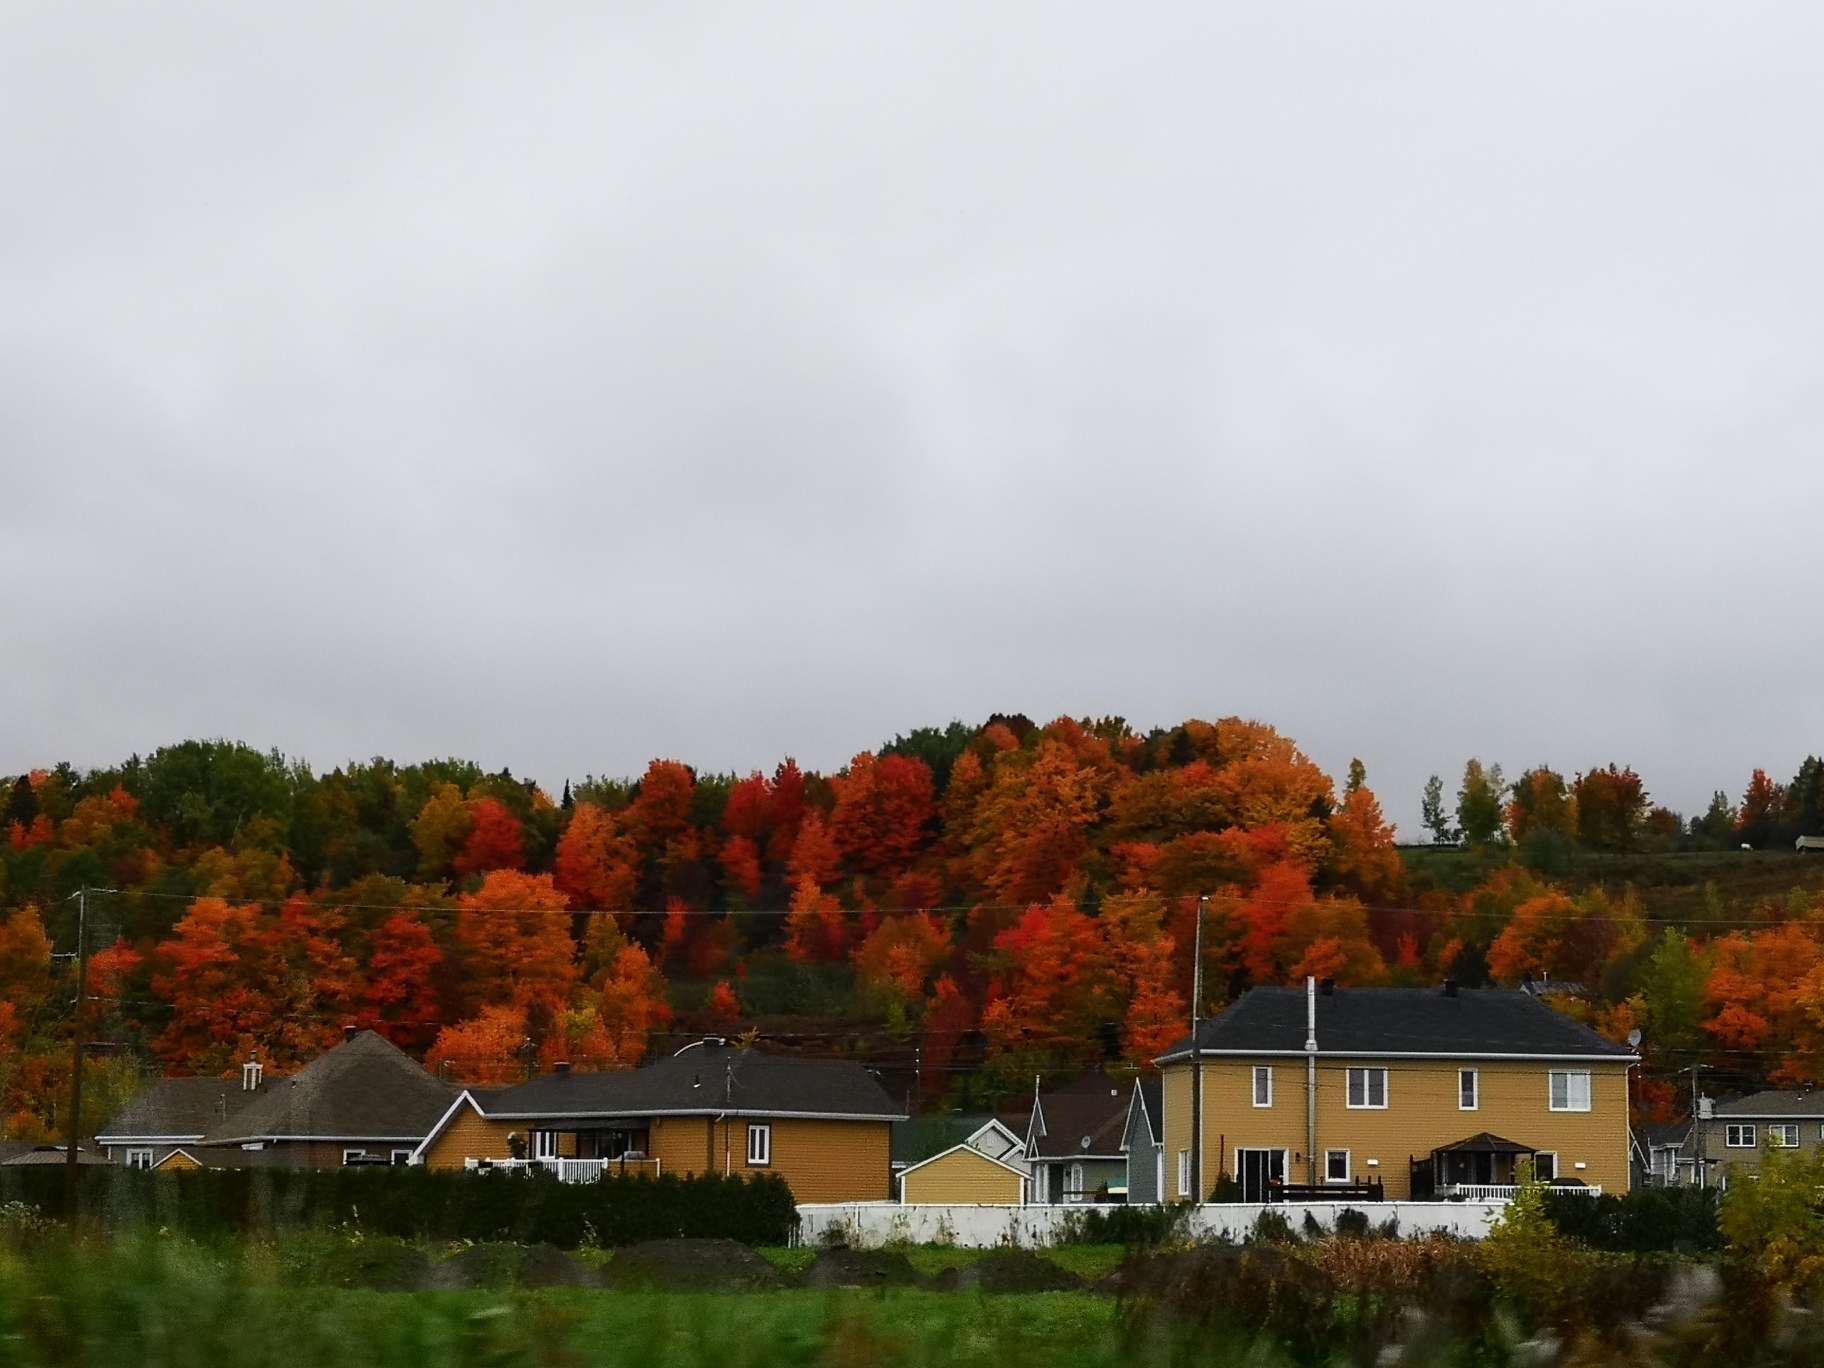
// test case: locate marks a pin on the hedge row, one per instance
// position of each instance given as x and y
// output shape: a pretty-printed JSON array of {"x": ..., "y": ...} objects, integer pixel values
[
  {"x": 420, "y": 1203},
  {"x": 1678, "y": 1220}
]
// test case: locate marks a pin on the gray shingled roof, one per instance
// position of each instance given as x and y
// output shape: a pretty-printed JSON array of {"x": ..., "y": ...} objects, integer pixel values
[
  {"x": 177, "y": 1109},
  {"x": 364, "y": 1089},
  {"x": 1372, "y": 1022},
  {"x": 1093, "y": 1108},
  {"x": 708, "y": 1080},
  {"x": 1776, "y": 1103}
]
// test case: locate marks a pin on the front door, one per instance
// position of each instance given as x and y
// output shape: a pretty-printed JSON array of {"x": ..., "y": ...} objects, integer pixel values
[{"x": 1258, "y": 1169}]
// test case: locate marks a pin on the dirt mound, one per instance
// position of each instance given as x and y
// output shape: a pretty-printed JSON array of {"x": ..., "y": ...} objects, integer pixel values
[
  {"x": 490, "y": 1266},
  {"x": 1009, "y": 1270},
  {"x": 377, "y": 1267},
  {"x": 691, "y": 1266},
  {"x": 860, "y": 1268},
  {"x": 548, "y": 1266}
]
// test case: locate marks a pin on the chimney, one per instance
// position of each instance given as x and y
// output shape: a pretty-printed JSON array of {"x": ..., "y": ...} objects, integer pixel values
[
  {"x": 349, "y": 1033},
  {"x": 561, "y": 1068},
  {"x": 1328, "y": 987},
  {"x": 250, "y": 1076},
  {"x": 1450, "y": 987}
]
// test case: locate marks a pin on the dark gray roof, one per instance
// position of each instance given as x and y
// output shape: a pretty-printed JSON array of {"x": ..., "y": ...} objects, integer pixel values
[
  {"x": 51, "y": 1154},
  {"x": 366, "y": 1088},
  {"x": 706, "y": 1080},
  {"x": 1656, "y": 1134},
  {"x": 174, "y": 1109},
  {"x": 1147, "y": 1111},
  {"x": 1082, "y": 1120},
  {"x": 1400, "y": 1021},
  {"x": 1776, "y": 1103},
  {"x": 1482, "y": 1142}
]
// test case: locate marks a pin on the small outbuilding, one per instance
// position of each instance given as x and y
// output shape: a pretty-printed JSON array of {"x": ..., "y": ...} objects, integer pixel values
[{"x": 964, "y": 1176}]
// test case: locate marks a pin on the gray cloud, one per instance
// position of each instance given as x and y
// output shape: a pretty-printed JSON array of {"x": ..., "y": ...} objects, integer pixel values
[{"x": 563, "y": 388}]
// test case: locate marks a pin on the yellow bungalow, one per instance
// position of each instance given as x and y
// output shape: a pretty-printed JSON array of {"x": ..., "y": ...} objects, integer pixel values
[
  {"x": 825, "y": 1125},
  {"x": 1410, "y": 1093}
]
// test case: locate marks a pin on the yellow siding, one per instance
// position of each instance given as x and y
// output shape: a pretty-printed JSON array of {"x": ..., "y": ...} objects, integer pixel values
[
  {"x": 962, "y": 1178},
  {"x": 469, "y": 1135},
  {"x": 1421, "y": 1114},
  {"x": 824, "y": 1161},
  {"x": 177, "y": 1159}
]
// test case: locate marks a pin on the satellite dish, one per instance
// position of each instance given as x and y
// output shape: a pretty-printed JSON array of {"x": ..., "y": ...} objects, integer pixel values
[{"x": 1634, "y": 1038}]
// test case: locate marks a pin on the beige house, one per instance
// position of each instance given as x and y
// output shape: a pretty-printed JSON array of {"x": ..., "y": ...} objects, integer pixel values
[
  {"x": 1402, "y": 1092},
  {"x": 824, "y": 1125},
  {"x": 986, "y": 1169},
  {"x": 1736, "y": 1135}
]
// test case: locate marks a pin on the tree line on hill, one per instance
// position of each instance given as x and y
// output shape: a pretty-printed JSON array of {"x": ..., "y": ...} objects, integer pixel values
[{"x": 1000, "y": 899}]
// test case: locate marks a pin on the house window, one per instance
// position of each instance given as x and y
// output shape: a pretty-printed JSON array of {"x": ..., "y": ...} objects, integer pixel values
[
  {"x": 1570, "y": 1090},
  {"x": 1738, "y": 1137},
  {"x": 1545, "y": 1167},
  {"x": 402, "y": 1157},
  {"x": 1367, "y": 1088},
  {"x": 1783, "y": 1137},
  {"x": 1184, "y": 1173},
  {"x": 1469, "y": 1096},
  {"x": 1263, "y": 1085},
  {"x": 354, "y": 1156},
  {"x": 1073, "y": 1182},
  {"x": 140, "y": 1158},
  {"x": 544, "y": 1144},
  {"x": 1336, "y": 1166},
  {"x": 759, "y": 1145}
]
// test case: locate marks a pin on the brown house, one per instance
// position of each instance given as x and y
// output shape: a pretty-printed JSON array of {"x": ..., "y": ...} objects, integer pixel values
[
  {"x": 825, "y": 1125},
  {"x": 1413, "y": 1092}
]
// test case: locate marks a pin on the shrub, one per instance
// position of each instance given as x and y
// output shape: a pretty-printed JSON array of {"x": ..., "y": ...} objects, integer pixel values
[
  {"x": 1677, "y": 1220},
  {"x": 1142, "y": 1227}
]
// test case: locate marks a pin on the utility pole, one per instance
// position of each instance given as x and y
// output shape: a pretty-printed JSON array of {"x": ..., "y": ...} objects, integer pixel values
[
  {"x": 72, "y": 1191},
  {"x": 1197, "y": 1056}
]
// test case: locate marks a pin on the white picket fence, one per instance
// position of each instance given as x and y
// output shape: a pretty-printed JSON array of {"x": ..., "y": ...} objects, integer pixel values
[{"x": 871, "y": 1224}]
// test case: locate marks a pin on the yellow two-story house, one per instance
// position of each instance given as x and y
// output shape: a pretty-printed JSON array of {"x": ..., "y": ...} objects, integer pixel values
[{"x": 1416, "y": 1092}]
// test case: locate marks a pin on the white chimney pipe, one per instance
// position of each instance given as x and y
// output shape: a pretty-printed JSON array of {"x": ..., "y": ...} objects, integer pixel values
[{"x": 1311, "y": 1079}]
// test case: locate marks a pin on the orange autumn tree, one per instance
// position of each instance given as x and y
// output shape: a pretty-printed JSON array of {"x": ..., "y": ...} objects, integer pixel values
[
  {"x": 399, "y": 999},
  {"x": 1030, "y": 829},
  {"x": 596, "y": 866},
  {"x": 489, "y": 1050},
  {"x": 515, "y": 937},
  {"x": 1053, "y": 986},
  {"x": 816, "y": 927},
  {"x": 630, "y": 996},
  {"x": 1762, "y": 990},
  {"x": 1145, "y": 959},
  {"x": 903, "y": 952},
  {"x": 882, "y": 809},
  {"x": 495, "y": 840}
]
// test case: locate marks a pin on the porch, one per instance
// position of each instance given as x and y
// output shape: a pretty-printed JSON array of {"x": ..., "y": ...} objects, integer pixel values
[{"x": 567, "y": 1170}]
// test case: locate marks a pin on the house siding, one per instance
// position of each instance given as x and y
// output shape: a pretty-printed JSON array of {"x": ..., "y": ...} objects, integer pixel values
[
  {"x": 1143, "y": 1171},
  {"x": 1421, "y": 1114},
  {"x": 469, "y": 1135},
  {"x": 1710, "y": 1141},
  {"x": 964, "y": 1178}
]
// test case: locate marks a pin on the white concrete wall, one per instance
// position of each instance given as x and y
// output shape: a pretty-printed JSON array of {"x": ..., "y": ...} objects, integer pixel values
[{"x": 868, "y": 1224}]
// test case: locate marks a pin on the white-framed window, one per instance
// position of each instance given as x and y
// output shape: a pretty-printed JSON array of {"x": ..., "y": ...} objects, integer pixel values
[
  {"x": 1738, "y": 1137},
  {"x": 544, "y": 1144},
  {"x": 1336, "y": 1166},
  {"x": 1367, "y": 1088},
  {"x": 1184, "y": 1173},
  {"x": 1073, "y": 1181},
  {"x": 1783, "y": 1136},
  {"x": 1570, "y": 1090},
  {"x": 402, "y": 1157},
  {"x": 1469, "y": 1090},
  {"x": 354, "y": 1156},
  {"x": 1263, "y": 1085},
  {"x": 140, "y": 1158},
  {"x": 759, "y": 1144},
  {"x": 1545, "y": 1167}
]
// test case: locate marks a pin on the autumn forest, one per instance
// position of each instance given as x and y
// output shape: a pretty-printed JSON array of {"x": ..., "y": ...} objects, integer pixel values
[{"x": 963, "y": 908}]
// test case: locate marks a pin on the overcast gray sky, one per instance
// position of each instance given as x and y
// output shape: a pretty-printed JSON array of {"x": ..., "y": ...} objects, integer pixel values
[{"x": 562, "y": 387}]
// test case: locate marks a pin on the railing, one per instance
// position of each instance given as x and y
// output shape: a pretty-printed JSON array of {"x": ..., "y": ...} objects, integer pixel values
[
  {"x": 567, "y": 1170},
  {"x": 1504, "y": 1192}
]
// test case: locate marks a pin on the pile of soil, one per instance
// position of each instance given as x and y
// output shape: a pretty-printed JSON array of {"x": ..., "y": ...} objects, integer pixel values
[
  {"x": 690, "y": 1266},
  {"x": 377, "y": 1267},
  {"x": 1009, "y": 1270},
  {"x": 497, "y": 1266},
  {"x": 860, "y": 1268}
]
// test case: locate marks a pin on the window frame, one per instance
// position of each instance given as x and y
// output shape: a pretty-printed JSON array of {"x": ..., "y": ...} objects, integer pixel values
[
  {"x": 1331, "y": 1154},
  {"x": 1184, "y": 1173},
  {"x": 401, "y": 1158},
  {"x": 1778, "y": 1133},
  {"x": 350, "y": 1156},
  {"x": 759, "y": 1144},
  {"x": 141, "y": 1157},
  {"x": 1570, "y": 1077},
  {"x": 1263, "y": 1073},
  {"x": 1369, "y": 1074},
  {"x": 1551, "y": 1158},
  {"x": 1474, "y": 1078},
  {"x": 1745, "y": 1135}
]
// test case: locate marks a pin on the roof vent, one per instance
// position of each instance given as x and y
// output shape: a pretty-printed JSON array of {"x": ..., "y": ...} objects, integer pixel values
[
  {"x": 1450, "y": 987},
  {"x": 350, "y": 1032},
  {"x": 561, "y": 1068}
]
